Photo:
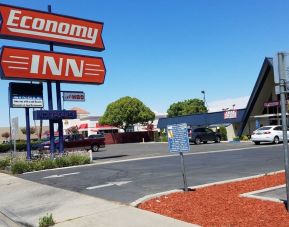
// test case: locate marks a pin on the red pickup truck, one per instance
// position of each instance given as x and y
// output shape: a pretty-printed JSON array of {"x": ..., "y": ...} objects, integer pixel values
[{"x": 74, "y": 141}]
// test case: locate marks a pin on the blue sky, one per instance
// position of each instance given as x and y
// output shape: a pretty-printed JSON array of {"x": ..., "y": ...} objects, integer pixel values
[{"x": 164, "y": 51}]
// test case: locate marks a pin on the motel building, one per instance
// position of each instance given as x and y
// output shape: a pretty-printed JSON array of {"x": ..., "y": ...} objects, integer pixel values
[
  {"x": 263, "y": 108},
  {"x": 89, "y": 125},
  {"x": 86, "y": 124}
]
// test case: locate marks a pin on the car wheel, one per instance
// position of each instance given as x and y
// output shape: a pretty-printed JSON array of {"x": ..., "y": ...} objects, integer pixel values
[
  {"x": 257, "y": 142},
  {"x": 95, "y": 148},
  {"x": 218, "y": 139},
  {"x": 197, "y": 141},
  {"x": 276, "y": 140}
]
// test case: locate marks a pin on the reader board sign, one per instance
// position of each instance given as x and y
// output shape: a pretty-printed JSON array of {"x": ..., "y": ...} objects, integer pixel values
[
  {"x": 26, "y": 102},
  {"x": 24, "y": 95},
  {"x": 230, "y": 114},
  {"x": 54, "y": 114},
  {"x": 29, "y": 64},
  {"x": 38, "y": 26},
  {"x": 178, "y": 139},
  {"x": 74, "y": 96}
]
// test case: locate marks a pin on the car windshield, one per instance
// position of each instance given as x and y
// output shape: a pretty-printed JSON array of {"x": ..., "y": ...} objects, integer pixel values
[{"x": 264, "y": 128}]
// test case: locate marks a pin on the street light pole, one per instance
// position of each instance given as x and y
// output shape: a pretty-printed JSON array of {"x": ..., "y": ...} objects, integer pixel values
[{"x": 204, "y": 100}]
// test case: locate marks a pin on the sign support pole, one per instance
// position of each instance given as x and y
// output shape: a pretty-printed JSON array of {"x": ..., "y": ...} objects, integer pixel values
[
  {"x": 285, "y": 139},
  {"x": 50, "y": 106},
  {"x": 60, "y": 122},
  {"x": 28, "y": 134},
  {"x": 51, "y": 123},
  {"x": 184, "y": 172}
]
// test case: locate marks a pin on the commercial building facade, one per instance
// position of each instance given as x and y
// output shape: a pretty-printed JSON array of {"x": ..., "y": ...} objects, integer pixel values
[{"x": 263, "y": 108}]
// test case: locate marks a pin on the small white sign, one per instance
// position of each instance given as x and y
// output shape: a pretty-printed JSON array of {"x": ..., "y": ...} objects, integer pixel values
[
  {"x": 14, "y": 128},
  {"x": 281, "y": 69},
  {"x": 230, "y": 114},
  {"x": 27, "y": 101},
  {"x": 74, "y": 96}
]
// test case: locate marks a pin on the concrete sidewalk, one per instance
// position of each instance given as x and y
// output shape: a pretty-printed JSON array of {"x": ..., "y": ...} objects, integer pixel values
[{"x": 25, "y": 202}]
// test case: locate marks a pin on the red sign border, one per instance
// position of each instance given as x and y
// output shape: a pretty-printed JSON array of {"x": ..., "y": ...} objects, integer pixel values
[
  {"x": 2, "y": 75},
  {"x": 34, "y": 40}
]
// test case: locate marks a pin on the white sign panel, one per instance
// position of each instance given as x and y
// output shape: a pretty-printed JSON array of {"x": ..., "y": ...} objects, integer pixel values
[
  {"x": 27, "y": 101},
  {"x": 74, "y": 96},
  {"x": 230, "y": 114},
  {"x": 14, "y": 128},
  {"x": 281, "y": 69}
]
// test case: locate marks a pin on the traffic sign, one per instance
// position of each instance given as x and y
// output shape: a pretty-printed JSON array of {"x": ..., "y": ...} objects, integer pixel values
[{"x": 178, "y": 139}]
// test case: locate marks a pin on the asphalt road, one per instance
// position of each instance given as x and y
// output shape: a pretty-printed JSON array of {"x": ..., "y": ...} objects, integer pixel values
[{"x": 128, "y": 172}]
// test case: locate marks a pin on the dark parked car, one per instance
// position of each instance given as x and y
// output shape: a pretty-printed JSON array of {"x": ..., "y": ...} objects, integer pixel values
[
  {"x": 198, "y": 135},
  {"x": 77, "y": 141}
]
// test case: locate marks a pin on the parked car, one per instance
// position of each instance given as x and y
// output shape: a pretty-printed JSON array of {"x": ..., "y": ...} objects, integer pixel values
[
  {"x": 270, "y": 133},
  {"x": 76, "y": 141},
  {"x": 202, "y": 134}
]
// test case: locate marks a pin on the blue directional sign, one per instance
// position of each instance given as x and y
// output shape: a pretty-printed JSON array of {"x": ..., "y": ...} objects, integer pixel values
[
  {"x": 54, "y": 114},
  {"x": 178, "y": 139}
]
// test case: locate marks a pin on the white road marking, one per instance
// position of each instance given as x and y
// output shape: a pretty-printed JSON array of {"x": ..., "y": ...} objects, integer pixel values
[
  {"x": 119, "y": 183},
  {"x": 61, "y": 175},
  {"x": 155, "y": 157}
]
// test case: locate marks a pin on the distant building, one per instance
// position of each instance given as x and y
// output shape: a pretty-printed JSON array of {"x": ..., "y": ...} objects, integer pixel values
[{"x": 263, "y": 108}]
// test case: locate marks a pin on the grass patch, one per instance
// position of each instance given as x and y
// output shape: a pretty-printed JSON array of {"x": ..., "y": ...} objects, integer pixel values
[{"x": 46, "y": 221}]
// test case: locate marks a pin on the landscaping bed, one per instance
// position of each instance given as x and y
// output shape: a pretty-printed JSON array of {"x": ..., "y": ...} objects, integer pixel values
[
  {"x": 19, "y": 164},
  {"x": 221, "y": 205}
]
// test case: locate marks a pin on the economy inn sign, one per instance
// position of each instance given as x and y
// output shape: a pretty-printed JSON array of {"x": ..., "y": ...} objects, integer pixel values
[
  {"x": 38, "y": 26},
  {"x": 29, "y": 64}
]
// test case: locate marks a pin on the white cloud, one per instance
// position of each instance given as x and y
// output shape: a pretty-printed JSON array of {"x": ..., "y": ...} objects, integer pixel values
[{"x": 219, "y": 105}]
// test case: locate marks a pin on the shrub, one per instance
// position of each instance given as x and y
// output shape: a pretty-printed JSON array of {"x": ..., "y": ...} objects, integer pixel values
[
  {"x": 46, "y": 221},
  {"x": 236, "y": 138},
  {"x": 244, "y": 137},
  {"x": 4, "y": 148},
  {"x": 62, "y": 161},
  {"x": 48, "y": 164},
  {"x": 20, "y": 166},
  {"x": 4, "y": 163},
  {"x": 78, "y": 160},
  {"x": 223, "y": 132},
  {"x": 156, "y": 137}
]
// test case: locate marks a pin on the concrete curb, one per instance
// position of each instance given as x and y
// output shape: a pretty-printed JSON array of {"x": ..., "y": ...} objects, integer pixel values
[
  {"x": 251, "y": 194},
  {"x": 148, "y": 197}
]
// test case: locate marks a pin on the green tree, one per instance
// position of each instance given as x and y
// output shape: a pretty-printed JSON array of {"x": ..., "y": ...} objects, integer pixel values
[
  {"x": 187, "y": 107},
  {"x": 125, "y": 112}
]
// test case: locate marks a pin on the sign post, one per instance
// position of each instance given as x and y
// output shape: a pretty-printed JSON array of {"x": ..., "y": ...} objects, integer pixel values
[
  {"x": 178, "y": 142},
  {"x": 14, "y": 133},
  {"x": 281, "y": 77}
]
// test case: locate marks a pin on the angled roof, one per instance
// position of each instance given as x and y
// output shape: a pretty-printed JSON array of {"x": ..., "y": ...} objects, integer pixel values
[
  {"x": 79, "y": 110},
  {"x": 201, "y": 119},
  {"x": 266, "y": 67}
]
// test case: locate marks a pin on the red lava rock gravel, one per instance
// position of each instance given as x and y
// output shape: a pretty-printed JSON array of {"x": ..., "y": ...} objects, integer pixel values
[{"x": 220, "y": 205}]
